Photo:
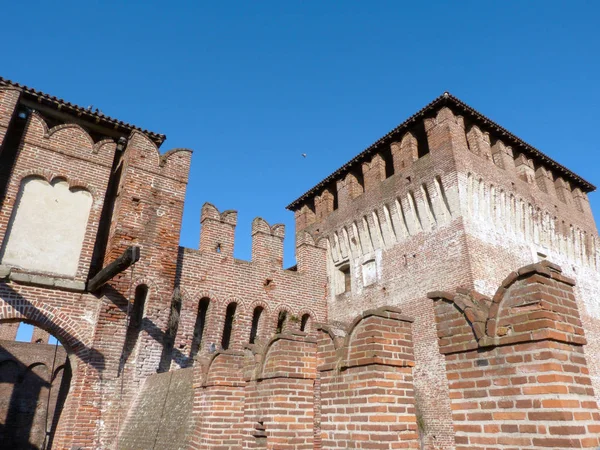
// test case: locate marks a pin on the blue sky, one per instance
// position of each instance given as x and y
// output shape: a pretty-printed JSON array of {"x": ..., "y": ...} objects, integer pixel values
[{"x": 250, "y": 86}]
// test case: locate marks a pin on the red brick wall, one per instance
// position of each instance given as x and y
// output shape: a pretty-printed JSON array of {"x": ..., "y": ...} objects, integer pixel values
[
  {"x": 218, "y": 276},
  {"x": 367, "y": 395},
  {"x": 515, "y": 364},
  {"x": 92, "y": 326}
]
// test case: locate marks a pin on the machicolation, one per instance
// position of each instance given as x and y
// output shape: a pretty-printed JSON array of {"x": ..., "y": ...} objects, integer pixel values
[{"x": 445, "y": 295}]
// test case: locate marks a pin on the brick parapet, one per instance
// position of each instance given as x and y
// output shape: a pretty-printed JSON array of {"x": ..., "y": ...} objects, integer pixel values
[
  {"x": 515, "y": 363},
  {"x": 366, "y": 385},
  {"x": 222, "y": 279}
]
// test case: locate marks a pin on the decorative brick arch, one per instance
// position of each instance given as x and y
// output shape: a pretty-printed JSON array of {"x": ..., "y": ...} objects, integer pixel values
[
  {"x": 275, "y": 317},
  {"x": 63, "y": 328},
  {"x": 313, "y": 318},
  {"x": 263, "y": 322}
]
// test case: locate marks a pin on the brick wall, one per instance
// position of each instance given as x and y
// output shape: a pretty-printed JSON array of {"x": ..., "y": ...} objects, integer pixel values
[
  {"x": 299, "y": 392},
  {"x": 213, "y": 273},
  {"x": 31, "y": 378},
  {"x": 366, "y": 384},
  {"x": 517, "y": 373}
]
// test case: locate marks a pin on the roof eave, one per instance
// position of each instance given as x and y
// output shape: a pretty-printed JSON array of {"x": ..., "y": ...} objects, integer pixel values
[{"x": 422, "y": 114}]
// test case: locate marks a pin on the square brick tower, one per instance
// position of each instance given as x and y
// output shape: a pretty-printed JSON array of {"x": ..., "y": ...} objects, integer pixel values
[{"x": 447, "y": 199}]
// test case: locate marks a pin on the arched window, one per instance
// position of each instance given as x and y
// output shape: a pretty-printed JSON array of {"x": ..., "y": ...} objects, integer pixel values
[
  {"x": 199, "y": 326},
  {"x": 281, "y": 319},
  {"x": 228, "y": 327},
  {"x": 304, "y": 322},
  {"x": 255, "y": 323}
]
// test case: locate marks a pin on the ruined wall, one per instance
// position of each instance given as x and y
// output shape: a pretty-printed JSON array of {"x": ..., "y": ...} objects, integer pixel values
[{"x": 517, "y": 373}]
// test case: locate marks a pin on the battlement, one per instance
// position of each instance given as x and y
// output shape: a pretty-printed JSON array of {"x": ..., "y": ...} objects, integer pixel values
[
  {"x": 217, "y": 237},
  {"x": 442, "y": 133}
]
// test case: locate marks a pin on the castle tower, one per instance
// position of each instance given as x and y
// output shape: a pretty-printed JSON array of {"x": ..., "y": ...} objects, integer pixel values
[{"x": 447, "y": 199}]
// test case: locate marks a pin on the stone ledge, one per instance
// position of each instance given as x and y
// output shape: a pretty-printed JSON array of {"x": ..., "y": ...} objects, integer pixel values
[
  {"x": 4, "y": 272},
  {"x": 41, "y": 280}
]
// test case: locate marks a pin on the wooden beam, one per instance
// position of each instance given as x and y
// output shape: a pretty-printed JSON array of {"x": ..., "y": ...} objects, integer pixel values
[{"x": 129, "y": 257}]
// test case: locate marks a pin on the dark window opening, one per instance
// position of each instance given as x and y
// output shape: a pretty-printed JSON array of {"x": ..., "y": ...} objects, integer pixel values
[
  {"x": 386, "y": 155},
  {"x": 360, "y": 179},
  {"x": 421, "y": 137},
  {"x": 255, "y": 323},
  {"x": 304, "y": 322},
  {"x": 218, "y": 248},
  {"x": 281, "y": 319},
  {"x": 199, "y": 326},
  {"x": 334, "y": 192},
  {"x": 228, "y": 327}
]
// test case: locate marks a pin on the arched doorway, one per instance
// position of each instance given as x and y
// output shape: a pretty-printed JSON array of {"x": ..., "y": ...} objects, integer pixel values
[{"x": 35, "y": 375}]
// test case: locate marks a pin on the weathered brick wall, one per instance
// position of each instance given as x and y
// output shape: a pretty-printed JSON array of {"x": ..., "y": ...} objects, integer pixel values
[
  {"x": 219, "y": 402},
  {"x": 147, "y": 213},
  {"x": 213, "y": 273},
  {"x": 409, "y": 224},
  {"x": 517, "y": 373},
  {"x": 269, "y": 396},
  {"x": 462, "y": 214},
  {"x": 9, "y": 98},
  {"x": 92, "y": 327},
  {"x": 279, "y": 405}
]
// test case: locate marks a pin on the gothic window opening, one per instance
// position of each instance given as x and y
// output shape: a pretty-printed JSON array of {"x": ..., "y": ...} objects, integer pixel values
[
  {"x": 228, "y": 326},
  {"x": 255, "y": 323},
  {"x": 199, "y": 326},
  {"x": 281, "y": 319},
  {"x": 304, "y": 322}
]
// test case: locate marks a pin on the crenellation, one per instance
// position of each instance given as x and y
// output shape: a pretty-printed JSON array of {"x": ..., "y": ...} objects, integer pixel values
[
  {"x": 503, "y": 156},
  {"x": 324, "y": 204},
  {"x": 267, "y": 243},
  {"x": 373, "y": 172},
  {"x": 545, "y": 181},
  {"x": 524, "y": 168},
  {"x": 348, "y": 189},
  {"x": 305, "y": 216},
  {"x": 479, "y": 142},
  {"x": 405, "y": 152},
  {"x": 318, "y": 355}
]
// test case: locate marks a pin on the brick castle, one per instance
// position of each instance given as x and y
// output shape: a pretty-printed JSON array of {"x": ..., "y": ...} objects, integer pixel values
[{"x": 445, "y": 295}]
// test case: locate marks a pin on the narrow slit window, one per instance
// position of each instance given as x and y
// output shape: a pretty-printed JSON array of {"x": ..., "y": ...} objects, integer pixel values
[
  {"x": 281, "y": 319},
  {"x": 199, "y": 326},
  {"x": 228, "y": 327},
  {"x": 304, "y": 322},
  {"x": 255, "y": 323}
]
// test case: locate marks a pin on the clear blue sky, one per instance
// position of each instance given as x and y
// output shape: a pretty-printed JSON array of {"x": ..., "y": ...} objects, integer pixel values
[{"x": 250, "y": 86}]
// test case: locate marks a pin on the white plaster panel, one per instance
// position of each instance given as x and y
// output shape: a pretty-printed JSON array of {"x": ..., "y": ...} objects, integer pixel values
[{"x": 47, "y": 228}]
